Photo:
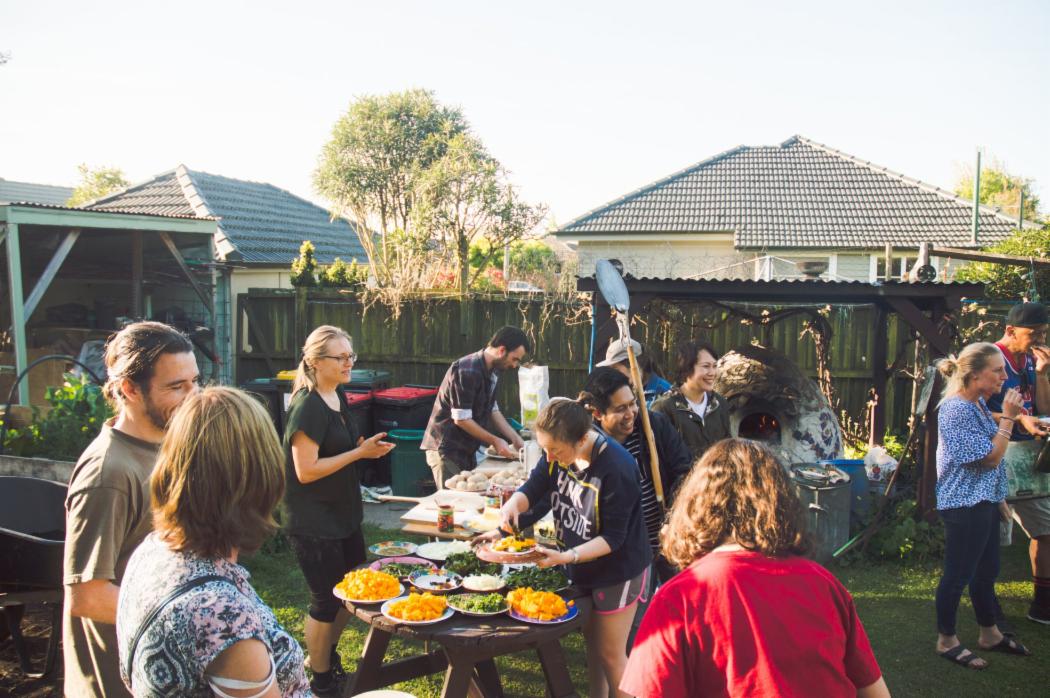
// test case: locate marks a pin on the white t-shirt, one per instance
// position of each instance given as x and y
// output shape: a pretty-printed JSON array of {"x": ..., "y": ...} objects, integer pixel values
[{"x": 699, "y": 407}]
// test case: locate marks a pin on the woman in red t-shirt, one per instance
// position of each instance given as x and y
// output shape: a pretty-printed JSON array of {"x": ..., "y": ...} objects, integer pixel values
[{"x": 748, "y": 615}]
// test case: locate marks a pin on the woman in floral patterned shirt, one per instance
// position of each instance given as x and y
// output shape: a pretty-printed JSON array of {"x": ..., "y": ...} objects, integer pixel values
[
  {"x": 188, "y": 621},
  {"x": 971, "y": 486}
]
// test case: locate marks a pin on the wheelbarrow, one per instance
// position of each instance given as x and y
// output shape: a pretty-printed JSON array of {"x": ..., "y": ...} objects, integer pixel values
[{"x": 32, "y": 534}]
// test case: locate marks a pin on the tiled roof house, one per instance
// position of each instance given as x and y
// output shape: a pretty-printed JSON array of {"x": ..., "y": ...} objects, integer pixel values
[
  {"x": 259, "y": 224},
  {"x": 797, "y": 201},
  {"x": 12, "y": 192}
]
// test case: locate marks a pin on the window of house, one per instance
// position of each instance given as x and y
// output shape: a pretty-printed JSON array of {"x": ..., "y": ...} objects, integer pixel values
[{"x": 900, "y": 268}]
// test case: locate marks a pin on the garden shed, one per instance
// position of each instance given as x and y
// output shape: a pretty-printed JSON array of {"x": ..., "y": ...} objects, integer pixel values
[{"x": 71, "y": 274}]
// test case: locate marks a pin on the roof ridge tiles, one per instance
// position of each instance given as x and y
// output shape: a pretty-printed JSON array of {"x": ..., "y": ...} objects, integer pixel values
[{"x": 931, "y": 188}]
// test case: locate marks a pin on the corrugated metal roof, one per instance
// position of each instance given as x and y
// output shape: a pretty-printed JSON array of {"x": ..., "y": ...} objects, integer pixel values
[
  {"x": 263, "y": 223},
  {"x": 799, "y": 194},
  {"x": 130, "y": 212},
  {"x": 11, "y": 191}
]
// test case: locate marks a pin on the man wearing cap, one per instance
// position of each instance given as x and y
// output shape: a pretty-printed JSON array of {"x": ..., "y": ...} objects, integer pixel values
[
  {"x": 616, "y": 357},
  {"x": 1023, "y": 346}
]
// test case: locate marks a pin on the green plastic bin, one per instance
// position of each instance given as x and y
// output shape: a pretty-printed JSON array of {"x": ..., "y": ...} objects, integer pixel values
[{"x": 409, "y": 473}]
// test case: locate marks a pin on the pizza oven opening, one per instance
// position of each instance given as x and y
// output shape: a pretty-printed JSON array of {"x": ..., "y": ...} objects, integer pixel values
[
  {"x": 760, "y": 426},
  {"x": 770, "y": 399}
]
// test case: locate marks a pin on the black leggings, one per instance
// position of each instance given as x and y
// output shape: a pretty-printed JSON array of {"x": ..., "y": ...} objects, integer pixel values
[
  {"x": 971, "y": 558},
  {"x": 324, "y": 562}
]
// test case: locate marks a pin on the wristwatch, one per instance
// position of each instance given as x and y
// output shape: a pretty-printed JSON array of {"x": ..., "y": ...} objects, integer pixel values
[{"x": 575, "y": 555}]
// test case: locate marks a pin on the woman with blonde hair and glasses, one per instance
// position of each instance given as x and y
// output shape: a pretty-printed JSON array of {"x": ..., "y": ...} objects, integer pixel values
[
  {"x": 188, "y": 621},
  {"x": 971, "y": 489},
  {"x": 322, "y": 506},
  {"x": 748, "y": 615}
]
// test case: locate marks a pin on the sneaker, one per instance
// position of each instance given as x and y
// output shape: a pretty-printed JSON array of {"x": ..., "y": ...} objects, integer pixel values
[
  {"x": 326, "y": 685},
  {"x": 1039, "y": 614},
  {"x": 337, "y": 669}
]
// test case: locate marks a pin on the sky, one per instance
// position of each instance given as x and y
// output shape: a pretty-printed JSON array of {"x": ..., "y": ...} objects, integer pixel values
[{"x": 582, "y": 101}]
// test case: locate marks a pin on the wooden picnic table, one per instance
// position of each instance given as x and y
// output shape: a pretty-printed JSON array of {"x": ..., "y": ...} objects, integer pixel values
[{"x": 467, "y": 650}]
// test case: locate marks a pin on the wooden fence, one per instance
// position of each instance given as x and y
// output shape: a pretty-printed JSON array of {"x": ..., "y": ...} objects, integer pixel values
[{"x": 418, "y": 344}]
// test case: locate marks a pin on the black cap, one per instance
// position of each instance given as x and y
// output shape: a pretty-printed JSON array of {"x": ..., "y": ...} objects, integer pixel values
[{"x": 1027, "y": 315}]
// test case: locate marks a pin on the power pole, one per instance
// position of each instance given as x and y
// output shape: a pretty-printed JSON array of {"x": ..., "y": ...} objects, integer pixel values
[{"x": 976, "y": 199}]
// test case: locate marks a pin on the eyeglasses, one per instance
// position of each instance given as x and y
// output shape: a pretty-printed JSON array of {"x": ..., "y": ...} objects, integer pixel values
[{"x": 342, "y": 358}]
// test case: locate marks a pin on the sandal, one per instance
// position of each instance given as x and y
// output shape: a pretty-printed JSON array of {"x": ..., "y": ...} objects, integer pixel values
[
  {"x": 1008, "y": 645},
  {"x": 953, "y": 656}
]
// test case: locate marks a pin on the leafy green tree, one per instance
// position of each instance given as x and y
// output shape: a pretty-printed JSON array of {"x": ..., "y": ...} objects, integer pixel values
[
  {"x": 96, "y": 183},
  {"x": 1014, "y": 282},
  {"x": 1000, "y": 189},
  {"x": 370, "y": 166},
  {"x": 304, "y": 267},
  {"x": 464, "y": 197}
]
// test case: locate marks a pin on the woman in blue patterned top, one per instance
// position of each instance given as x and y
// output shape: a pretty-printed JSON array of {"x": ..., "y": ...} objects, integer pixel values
[{"x": 971, "y": 487}]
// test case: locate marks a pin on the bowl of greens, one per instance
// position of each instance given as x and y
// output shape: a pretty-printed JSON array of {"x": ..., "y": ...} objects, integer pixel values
[
  {"x": 466, "y": 564},
  {"x": 403, "y": 567},
  {"x": 549, "y": 579},
  {"x": 478, "y": 604}
]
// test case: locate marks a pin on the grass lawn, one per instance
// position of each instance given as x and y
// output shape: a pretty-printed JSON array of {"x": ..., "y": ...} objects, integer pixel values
[{"x": 895, "y": 604}]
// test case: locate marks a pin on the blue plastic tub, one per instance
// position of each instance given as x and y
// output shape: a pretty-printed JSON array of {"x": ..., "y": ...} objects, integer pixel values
[{"x": 860, "y": 499}]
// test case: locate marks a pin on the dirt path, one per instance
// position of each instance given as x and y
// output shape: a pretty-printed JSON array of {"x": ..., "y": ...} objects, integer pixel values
[{"x": 35, "y": 628}]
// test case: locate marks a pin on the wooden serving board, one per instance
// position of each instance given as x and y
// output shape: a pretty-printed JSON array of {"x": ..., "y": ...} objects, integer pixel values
[{"x": 467, "y": 504}]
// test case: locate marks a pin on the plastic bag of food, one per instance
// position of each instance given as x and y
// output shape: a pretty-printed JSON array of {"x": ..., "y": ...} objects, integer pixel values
[
  {"x": 878, "y": 464},
  {"x": 533, "y": 392}
]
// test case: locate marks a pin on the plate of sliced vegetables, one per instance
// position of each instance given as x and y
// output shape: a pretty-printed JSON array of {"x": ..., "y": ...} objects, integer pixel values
[
  {"x": 514, "y": 546},
  {"x": 468, "y": 563},
  {"x": 392, "y": 548},
  {"x": 401, "y": 567},
  {"x": 368, "y": 586},
  {"x": 480, "y": 605},
  {"x": 417, "y": 609},
  {"x": 540, "y": 607},
  {"x": 441, "y": 550},
  {"x": 483, "y": 582},
  {"x": 437, "y": 582},
  {"x": 549, "y": 579}
]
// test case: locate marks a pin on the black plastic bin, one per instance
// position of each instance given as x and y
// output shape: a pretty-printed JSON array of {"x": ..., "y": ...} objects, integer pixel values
[
  {"x": 407, "y": 407},
  {"x": 271, "y": 393},
  {"x": 368, "y": 379}
]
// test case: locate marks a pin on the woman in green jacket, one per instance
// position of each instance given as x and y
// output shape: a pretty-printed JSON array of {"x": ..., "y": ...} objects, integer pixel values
[{"x": 699, "y": 414}]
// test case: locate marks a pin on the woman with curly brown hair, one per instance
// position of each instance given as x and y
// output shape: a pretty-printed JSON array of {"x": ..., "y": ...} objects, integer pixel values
[{"x": 748, "y": 615}]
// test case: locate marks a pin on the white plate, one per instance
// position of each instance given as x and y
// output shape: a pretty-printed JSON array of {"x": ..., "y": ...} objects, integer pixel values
[
  {"x": 386, "y": 607},
  {"x": 424, "y": 581},
  {"x": 360, "y": 602},
  {"x": 503, "y": 585},
  {"x": 480, "y": 614},
  {"x": 440, "y": 551}
]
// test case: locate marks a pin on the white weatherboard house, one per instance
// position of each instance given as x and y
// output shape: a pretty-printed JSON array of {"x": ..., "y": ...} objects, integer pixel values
[{"x": 755, "y": 212}]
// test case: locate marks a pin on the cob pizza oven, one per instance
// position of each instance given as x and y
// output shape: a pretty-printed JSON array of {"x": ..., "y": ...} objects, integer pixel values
[{"x": 771, "y": 400}]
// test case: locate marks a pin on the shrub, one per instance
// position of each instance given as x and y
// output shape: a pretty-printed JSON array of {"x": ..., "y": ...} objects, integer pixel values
[{"x": 78, "y": 410}]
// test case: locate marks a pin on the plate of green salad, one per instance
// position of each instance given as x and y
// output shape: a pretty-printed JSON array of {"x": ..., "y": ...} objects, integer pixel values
[
  {"x": 549, "y": 579},
  {"x": 466, "y": 564},
  {"x": 478, "y": 604}
]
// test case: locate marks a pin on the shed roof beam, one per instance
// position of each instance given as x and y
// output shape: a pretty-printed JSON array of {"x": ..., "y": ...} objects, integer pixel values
[
  {"x": 50, "y": 271},
  {"x": 198, "y": 289}
]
